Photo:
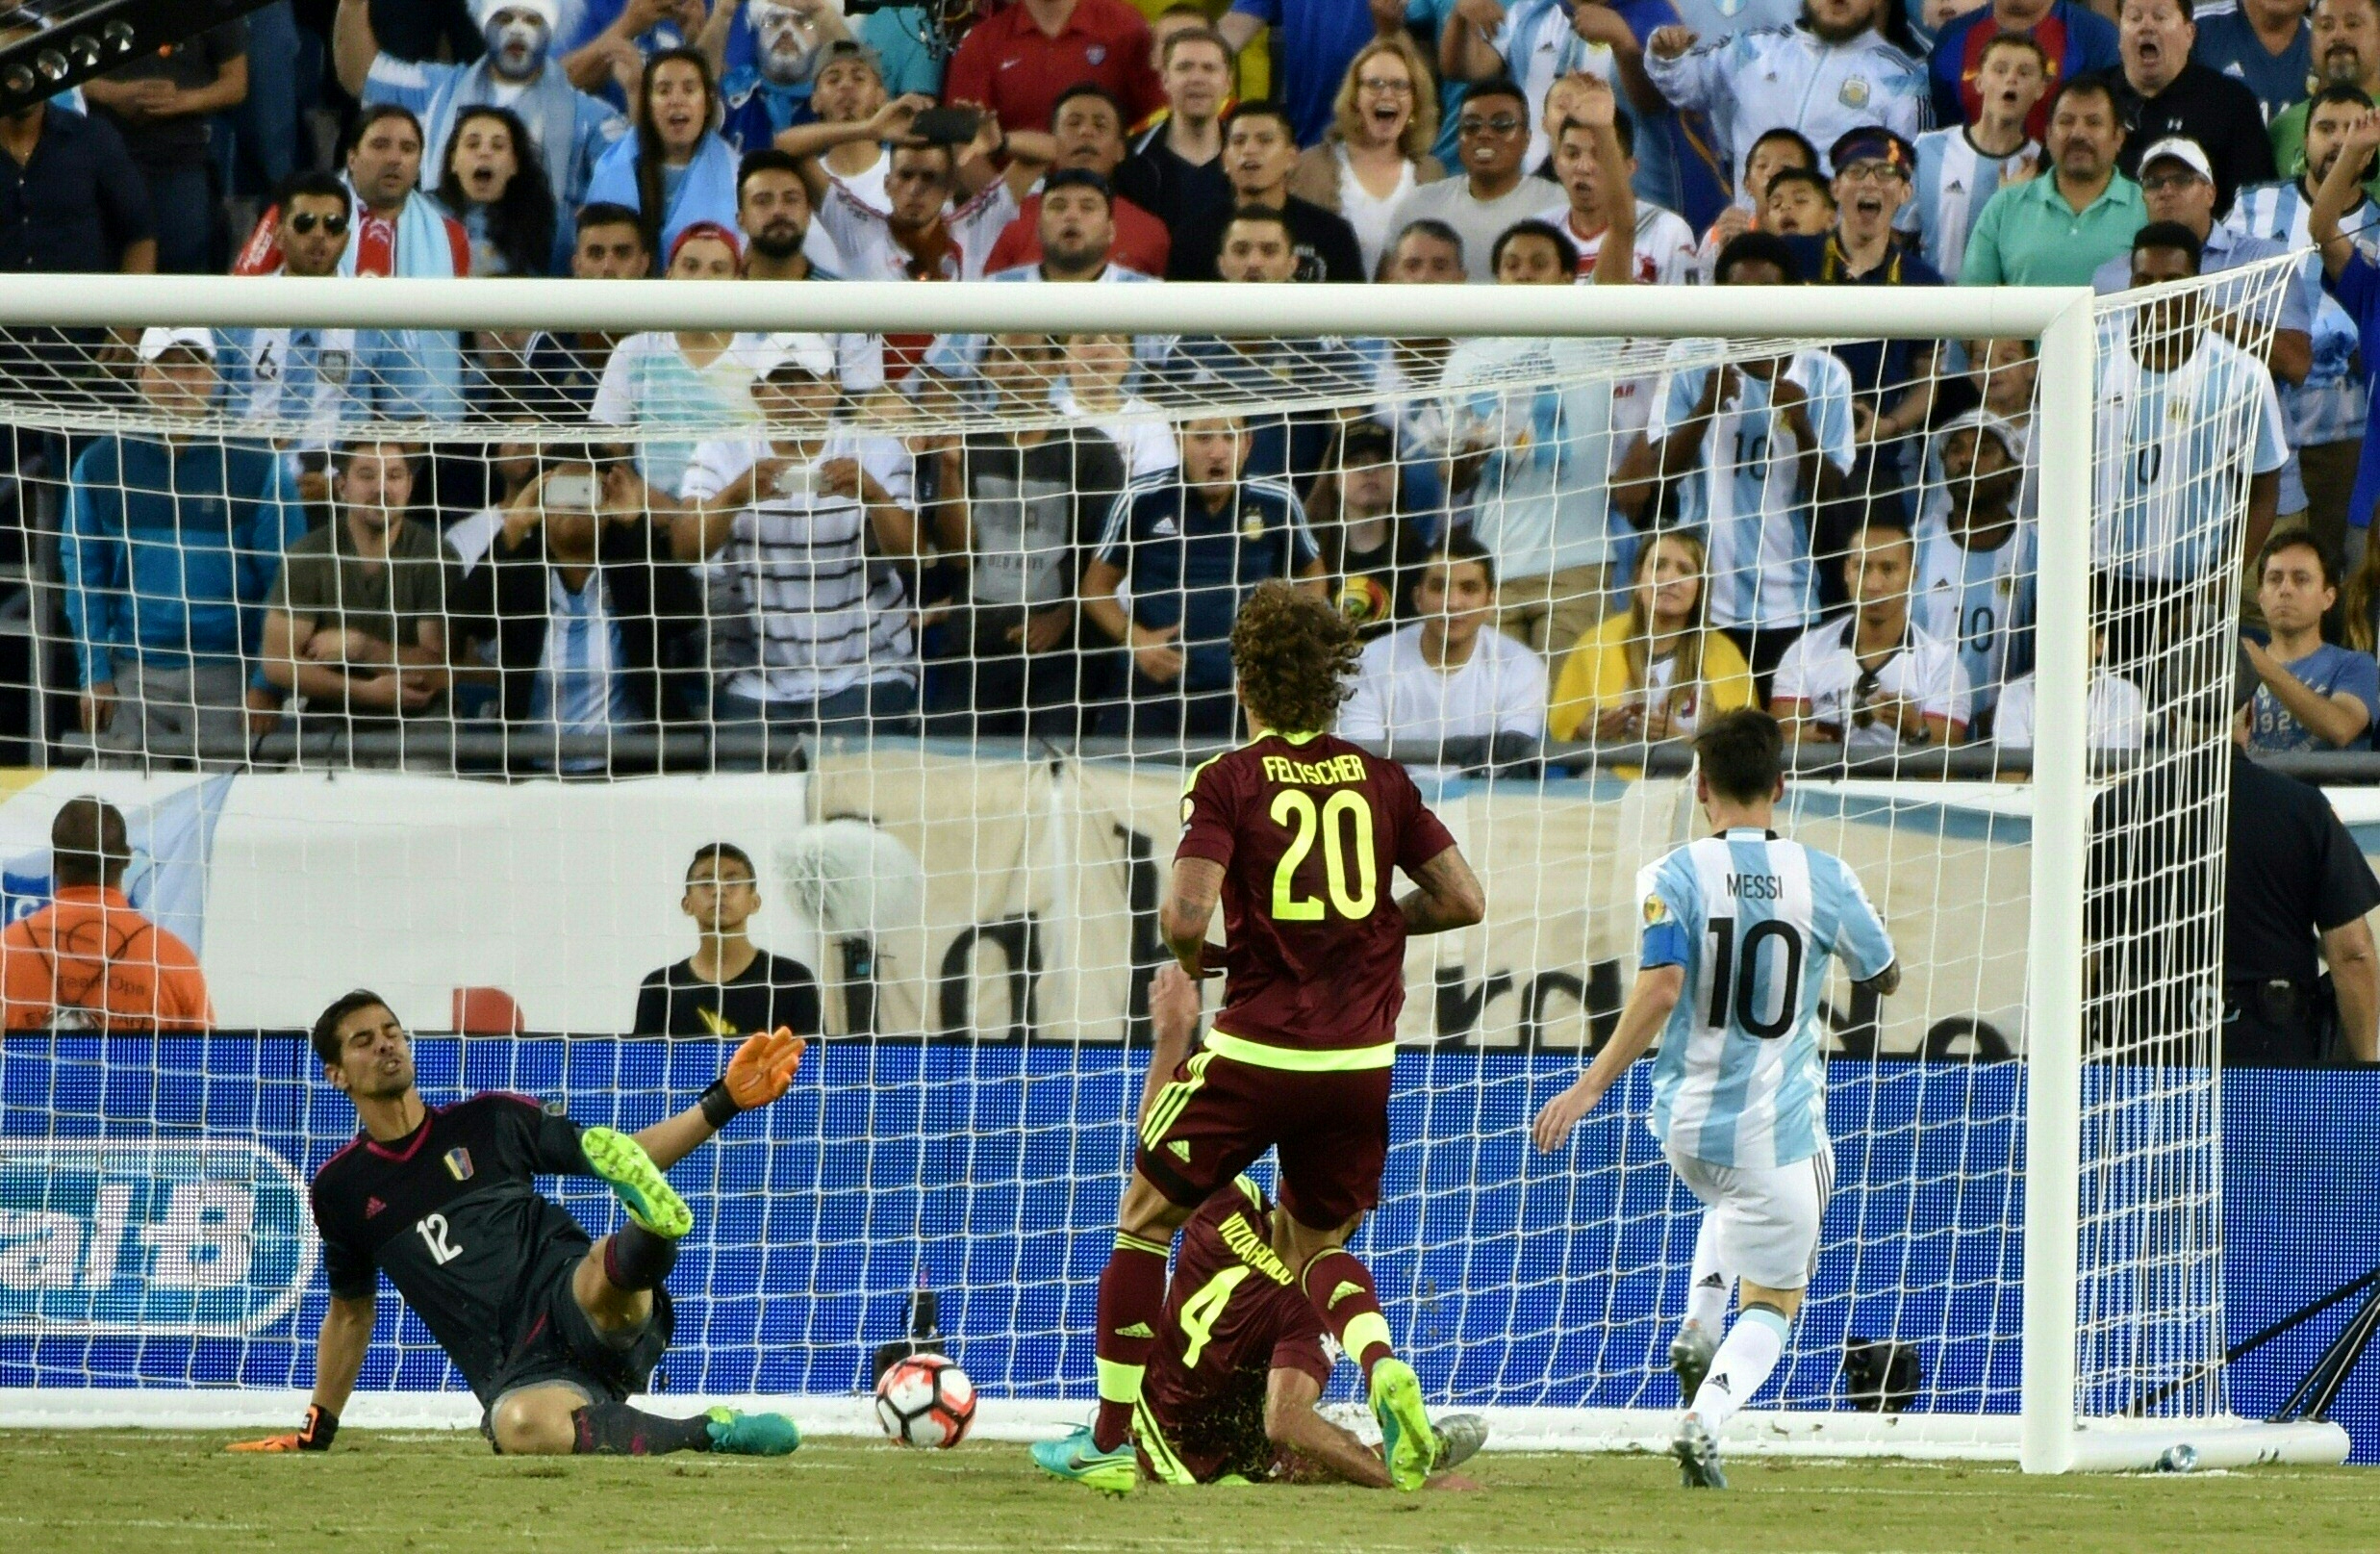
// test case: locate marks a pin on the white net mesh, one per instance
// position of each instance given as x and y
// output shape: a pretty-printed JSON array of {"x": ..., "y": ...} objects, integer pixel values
[{"x": 931, "y": 630}]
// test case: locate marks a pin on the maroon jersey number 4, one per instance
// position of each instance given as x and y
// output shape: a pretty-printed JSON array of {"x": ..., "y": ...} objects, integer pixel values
[{"x": 1307, "y": 829}]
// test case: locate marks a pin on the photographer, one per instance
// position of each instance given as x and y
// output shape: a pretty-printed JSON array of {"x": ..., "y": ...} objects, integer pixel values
[{"x": 590, "y": 620}]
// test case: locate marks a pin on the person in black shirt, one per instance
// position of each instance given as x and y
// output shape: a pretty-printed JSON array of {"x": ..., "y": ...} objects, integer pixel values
[
  {"x": 1259, "y": 152},
  {"x": 2160, "y": 90},
  {"x": 2293, "y": 880},
  {"x": 1368, "y": 543},
  {"x": 1175, "y": 171},
  {"x": 729, "y": 986},
  {"x": 553, "y": 1329}
]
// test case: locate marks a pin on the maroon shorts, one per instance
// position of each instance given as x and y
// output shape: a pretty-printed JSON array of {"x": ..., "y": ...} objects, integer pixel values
[{"x": 1331, "y": 1131}]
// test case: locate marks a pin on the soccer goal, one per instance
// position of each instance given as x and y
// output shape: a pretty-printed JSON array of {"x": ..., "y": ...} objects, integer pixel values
[{"x": 922, "y": 609}]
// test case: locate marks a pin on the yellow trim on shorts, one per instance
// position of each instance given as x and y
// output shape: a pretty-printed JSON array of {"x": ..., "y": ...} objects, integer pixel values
[
  {"x": 1302, "y": 1060},
  {"x": 1168, "y": 1106}
]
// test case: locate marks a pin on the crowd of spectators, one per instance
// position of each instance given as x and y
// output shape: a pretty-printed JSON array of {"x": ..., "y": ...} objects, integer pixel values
[{"x": 1845, "y": 535}]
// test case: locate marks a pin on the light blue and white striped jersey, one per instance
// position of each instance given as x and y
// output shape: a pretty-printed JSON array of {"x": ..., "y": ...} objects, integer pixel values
[
  {"x": 305, "y": 376},
  {"x": 2330, "y": 404},
  {"x": 1542, "y": 501},
  {"x": 1982, "y": 601},
  {"x": 1744, "y": 493},
  {"x": 1740, "y": 1079},
  {"x": 1952, "y": 184},
  {"x": 2175, "y": 455}
]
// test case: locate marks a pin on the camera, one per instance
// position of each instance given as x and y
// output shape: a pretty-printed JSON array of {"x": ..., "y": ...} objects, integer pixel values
[
  {"x": 797, "y": 480},
  {"x": 571, "y": 492}
]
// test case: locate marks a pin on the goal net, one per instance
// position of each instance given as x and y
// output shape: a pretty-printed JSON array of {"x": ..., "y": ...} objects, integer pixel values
[{"x": 424, "y": 632}]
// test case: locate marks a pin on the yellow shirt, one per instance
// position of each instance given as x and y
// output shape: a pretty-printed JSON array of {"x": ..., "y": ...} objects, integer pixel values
[{"x": 1595, "y": 677}]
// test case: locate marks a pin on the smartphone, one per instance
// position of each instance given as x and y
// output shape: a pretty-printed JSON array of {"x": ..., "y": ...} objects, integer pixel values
[
  {"x": 797, "y": 480},
  {"x": 946, "y": 126},
  {"x": 571, "y": 492}
]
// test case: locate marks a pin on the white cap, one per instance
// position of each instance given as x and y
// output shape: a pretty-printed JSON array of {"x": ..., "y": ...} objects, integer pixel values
[
  {"x": 2183, "y": 149},
  {"x": 156, "y": 342},
  {"x": 813, "y": 354},
  {"x": 2012, "y": 441},
  {"x": 550, "y": 9}
]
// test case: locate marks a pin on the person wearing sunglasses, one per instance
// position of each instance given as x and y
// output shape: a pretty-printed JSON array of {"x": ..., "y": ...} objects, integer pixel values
[
  {"x": 304, "y": 374},
  {"x": 1491, "y": 132}
]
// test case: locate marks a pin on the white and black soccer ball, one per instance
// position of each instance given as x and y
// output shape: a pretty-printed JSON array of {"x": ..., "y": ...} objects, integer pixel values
[{"x": 925, "y": 1400}]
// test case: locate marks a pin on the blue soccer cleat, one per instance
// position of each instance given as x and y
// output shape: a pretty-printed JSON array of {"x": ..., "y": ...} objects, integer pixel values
[
  {"x": 1076, "y": 1459},
  {"x": 752, "y": 1435}
]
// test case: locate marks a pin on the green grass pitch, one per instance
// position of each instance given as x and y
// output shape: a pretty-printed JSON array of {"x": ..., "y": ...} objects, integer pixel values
[{"x": 155, "y": 1492}]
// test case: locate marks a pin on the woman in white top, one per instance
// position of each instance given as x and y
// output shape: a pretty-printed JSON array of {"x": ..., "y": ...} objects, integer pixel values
[
  {"x": 1377, "y": 148},
  {"x": 1449, "y": 675},
  {"x": 699, "y": 379}
]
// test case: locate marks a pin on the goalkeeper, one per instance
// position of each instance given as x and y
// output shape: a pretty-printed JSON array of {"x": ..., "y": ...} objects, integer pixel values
[{"x": 554, "y": 1332}]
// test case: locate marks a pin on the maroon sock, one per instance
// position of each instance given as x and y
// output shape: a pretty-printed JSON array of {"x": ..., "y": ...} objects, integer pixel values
[
  {"x": 1340, "y": 1289},
  {"x": 1131, "y": 1299},
  {"x": 617, "y": 1430}
]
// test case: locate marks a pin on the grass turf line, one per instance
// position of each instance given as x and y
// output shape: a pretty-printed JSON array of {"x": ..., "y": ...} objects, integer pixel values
[{"x": 158, "y": 1493}]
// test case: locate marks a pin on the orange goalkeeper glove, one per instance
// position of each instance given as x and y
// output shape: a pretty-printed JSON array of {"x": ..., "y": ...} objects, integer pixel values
[
  {"x": 322, "y": 1426},
  {"x": 759, "y": 1070}
]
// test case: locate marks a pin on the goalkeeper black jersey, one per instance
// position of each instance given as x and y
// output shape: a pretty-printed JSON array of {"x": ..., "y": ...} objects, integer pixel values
[{"x": 452, "y": 1215}]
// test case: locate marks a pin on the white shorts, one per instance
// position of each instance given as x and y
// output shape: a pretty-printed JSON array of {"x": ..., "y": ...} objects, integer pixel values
[{"x": 1766, "y": 1219}]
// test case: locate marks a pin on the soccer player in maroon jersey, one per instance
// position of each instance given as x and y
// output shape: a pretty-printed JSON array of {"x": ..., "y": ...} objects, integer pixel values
[
  {"x": 1239, "y": 1362},
  {"x": 1295, "y": 834},
  {"x": 553, "y": 1329}
]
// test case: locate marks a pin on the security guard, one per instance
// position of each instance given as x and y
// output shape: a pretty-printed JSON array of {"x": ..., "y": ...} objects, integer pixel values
[{"x": 2292, "y": 878}]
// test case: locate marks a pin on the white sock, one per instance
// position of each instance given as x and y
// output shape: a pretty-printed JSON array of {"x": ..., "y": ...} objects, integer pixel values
[
  {"x": 1709, "y": 1286},
  {"x": 1740, "y": 1368}
]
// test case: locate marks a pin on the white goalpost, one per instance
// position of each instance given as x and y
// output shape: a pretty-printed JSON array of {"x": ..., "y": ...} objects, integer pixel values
[{"x": 2025, "y": 1244}]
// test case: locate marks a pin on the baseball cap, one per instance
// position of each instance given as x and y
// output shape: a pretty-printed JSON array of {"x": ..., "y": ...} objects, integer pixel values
[
  {"x": 2183, "y": 149},
  {"x": 1871, "y": 142},
  {"x": 157, "y": 341},
  {"x": 812, "y": 354}
]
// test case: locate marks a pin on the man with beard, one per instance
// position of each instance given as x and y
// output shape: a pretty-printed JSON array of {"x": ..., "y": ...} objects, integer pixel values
[
  {"x": 569, "y": 128},
  {"x": 1975, "y": 573},
  {"x": 2327, "y": 411},
  {"x": 2161, "y": 91},
  {"x": 300, "y": 374},
  {"x": 772, "y": 92},
  {"x": 2058, "y": 230},
  {"x": 1832, "y": 71},
  {"x": 1087, "y": 127},
  {"x": 773, "y": 208},
  {"x": 356, "y": 623},
  {"x": 2346, "y": 53}
]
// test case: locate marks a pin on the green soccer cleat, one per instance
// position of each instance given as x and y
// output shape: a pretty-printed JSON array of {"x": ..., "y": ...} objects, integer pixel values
[
  {"x": 1697, "y": 1451},
  {"x": 1408, "y": 1443},
  {"x": 638, "y": 1182},
  {"x": 1689, "y": 1357},
  {"x": 752, "y": 1435},
  {"x": 1076, "y": 1459},
  {"x": 1460, "y": 1436}
]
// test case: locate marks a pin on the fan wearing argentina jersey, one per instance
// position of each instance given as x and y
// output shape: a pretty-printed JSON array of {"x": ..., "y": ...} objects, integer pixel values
[
  {"x": 552, "y": 1328},
  {"x": 1975, "y": 574},
  {"x": 303, "y": 375},
  {"x": 1961, "y": 167},
  {"x": 1752, "y": 448},
  {"x": 2188, "y": 425},
  {"x": 1738, "y": 928}
]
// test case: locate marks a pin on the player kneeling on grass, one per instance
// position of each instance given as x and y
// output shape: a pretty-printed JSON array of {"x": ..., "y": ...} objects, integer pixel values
[
  {"x": 1737, "y": 930},
  {"x": 553, "y": 1331},
  {"x": 1296, "y": 835},
  {"x": 1239, "y": 1363}
]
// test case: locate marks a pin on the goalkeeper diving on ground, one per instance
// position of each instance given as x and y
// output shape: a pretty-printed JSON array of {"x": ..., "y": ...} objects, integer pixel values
[
  {"x": 553, "y": 1329},
  {"x": 1738, "y": 928}
]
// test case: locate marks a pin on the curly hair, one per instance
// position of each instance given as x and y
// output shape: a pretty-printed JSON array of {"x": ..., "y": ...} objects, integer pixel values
[{"x": 1295, "y": 655}]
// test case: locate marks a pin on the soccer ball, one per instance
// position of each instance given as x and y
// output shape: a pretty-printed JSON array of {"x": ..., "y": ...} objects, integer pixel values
[{"x": 926, "y": 1401}]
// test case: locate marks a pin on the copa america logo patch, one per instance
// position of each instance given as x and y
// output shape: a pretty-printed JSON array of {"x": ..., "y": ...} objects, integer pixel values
[
  {"x": 1656, "y": 910},
  {"x": 459, "y": 1165}
]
